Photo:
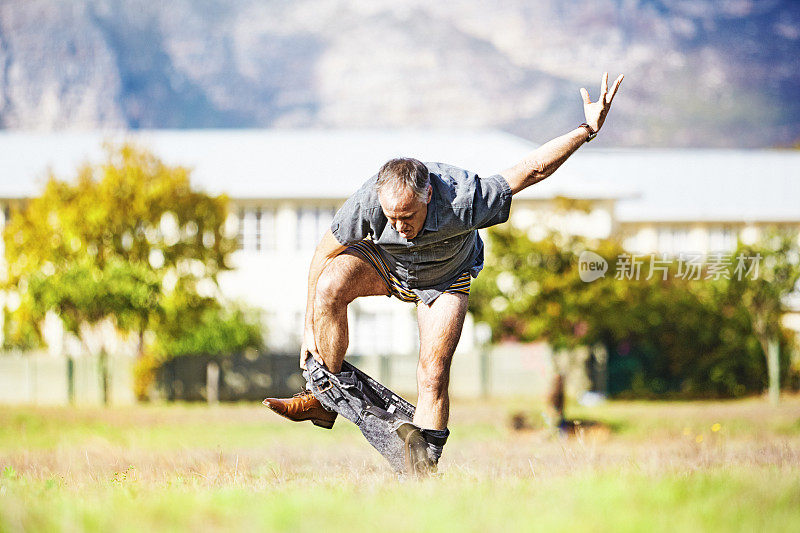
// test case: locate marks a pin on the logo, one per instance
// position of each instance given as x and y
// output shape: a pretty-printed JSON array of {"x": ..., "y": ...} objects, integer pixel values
[{"x": 591, "y": 266}]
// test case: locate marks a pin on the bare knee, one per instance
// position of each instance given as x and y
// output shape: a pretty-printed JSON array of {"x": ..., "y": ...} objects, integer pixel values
[{"x": 331, "y": 291}]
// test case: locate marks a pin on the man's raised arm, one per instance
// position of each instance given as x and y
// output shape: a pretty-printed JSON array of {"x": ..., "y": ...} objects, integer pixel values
[{"x": 547, "y": 158}]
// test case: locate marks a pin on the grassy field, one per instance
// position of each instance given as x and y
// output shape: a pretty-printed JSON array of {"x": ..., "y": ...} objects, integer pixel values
[{"x": 710, "y": 466}]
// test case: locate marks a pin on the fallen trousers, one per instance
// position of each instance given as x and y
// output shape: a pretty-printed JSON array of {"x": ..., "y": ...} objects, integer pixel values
[{"x": 383, "y": 417}]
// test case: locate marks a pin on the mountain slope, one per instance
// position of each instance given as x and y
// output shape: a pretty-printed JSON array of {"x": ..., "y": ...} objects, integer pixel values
[{"x": 698, "y": 73}]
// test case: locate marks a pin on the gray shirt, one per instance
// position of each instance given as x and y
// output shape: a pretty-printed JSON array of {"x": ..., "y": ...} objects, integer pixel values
[{"x": 448, "y": 245}]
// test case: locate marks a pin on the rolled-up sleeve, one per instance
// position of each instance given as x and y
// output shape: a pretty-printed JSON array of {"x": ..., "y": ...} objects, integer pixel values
[
  {"x": 359, "y": 216},
  {"x": 349, "y": 225},
  {"x": 492, "y": 201}
]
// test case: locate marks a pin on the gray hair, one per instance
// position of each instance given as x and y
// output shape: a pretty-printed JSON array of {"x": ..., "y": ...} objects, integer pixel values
[{"x": 405, "y": 173}]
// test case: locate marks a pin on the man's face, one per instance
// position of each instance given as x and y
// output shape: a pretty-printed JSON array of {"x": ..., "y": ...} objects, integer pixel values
[{"x": 405, "y": 211}]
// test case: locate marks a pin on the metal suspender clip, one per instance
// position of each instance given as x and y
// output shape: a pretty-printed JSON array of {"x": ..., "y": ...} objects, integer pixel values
[{"x": 326, "y": 387}]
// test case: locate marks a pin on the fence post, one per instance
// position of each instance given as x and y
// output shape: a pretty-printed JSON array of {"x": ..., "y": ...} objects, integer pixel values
[
  {"x": 485, "y": 370},
  {"x": 601, "y": 369},
  {"x": 70, "y": 380},
  {"x": 385, "y": 369},
  {"x": 102, "y": 363},
  {"x": 212, "y": 382},
  {"x": 773, "y": 363},
  {"x": 483, "y": 335},
  {"x": 30, "y": 378}
]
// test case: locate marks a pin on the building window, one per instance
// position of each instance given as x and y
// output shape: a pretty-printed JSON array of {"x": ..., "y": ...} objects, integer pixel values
[
  {"x": 373, "y": 333},
  {"x": 256, "y": 229},
  {"x": 673, "y": 240},
  {"x": 312, "y": 222},
  {"x": 722, "y": 239},
  {"x": 266, "y": 230},
  {"x": 633, "y": 242}
]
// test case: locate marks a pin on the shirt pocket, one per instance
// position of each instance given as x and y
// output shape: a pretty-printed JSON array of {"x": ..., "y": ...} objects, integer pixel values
[{"x": 440, "y": 251}]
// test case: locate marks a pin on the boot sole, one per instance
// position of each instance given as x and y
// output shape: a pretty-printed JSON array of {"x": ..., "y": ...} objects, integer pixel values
[{"x": 323, "y": 423}]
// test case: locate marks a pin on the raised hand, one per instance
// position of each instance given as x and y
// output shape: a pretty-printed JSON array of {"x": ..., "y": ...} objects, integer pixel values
[{"x": 596, "y": 112}]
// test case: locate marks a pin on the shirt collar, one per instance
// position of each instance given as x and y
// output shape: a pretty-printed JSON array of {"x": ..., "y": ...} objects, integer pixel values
[{"x": 432, "y": 216}]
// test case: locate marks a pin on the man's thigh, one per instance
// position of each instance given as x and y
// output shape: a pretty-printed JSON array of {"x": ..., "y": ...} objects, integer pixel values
[
  {"x": 349, "y": 276},
  {"x": 440, "y": 326}
]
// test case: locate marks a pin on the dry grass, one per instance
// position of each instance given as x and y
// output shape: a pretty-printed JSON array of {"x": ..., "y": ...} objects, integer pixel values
[{"x": 239, "y": 461}]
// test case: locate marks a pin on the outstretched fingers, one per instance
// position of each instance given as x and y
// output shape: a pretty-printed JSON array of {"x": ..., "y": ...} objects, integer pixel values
[
  {"x": 604, "y": 87},
  {"x": 596, "y": 111},
  {"x": 614, "y": 88},
  {"x": 606, "y": 96},
  {"x": 585, "y": 96}
]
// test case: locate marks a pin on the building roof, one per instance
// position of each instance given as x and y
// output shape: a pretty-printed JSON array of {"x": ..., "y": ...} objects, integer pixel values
[
  {"x": 273, "y": 163},
  {"x": 698, "y": 185},
  {"x": 670, "y": 185}
]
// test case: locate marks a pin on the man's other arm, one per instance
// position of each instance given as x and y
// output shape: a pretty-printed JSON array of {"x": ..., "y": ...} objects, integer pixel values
[
  {"x": 543, "y": 161},
  {"x": 327, "y": 249}
]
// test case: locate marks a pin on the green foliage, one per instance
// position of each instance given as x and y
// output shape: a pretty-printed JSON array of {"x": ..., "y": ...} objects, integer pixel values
[
  {"x": 131, "y": 206},
  {"x": 532, "y": 290},
  {"x": 191, "y": 325},
  {"x": 20, "y": 329},
  {"x": 673, "y": 336},
  {"x": 209, "y": 330},
  {"x": 764, "y": 297},
  {"x": 118, "y": 242},
  {"x": 83, "y": 291}
]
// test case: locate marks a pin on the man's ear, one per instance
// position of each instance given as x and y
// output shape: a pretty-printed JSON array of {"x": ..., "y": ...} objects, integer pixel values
[{"x": 430, "y": 194}]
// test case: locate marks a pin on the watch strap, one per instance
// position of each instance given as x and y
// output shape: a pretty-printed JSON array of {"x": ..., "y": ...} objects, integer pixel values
[{"x": 589, "y": 130}]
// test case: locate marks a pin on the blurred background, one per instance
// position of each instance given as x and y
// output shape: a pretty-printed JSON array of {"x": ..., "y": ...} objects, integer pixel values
[{"x": 166, "y": 170}]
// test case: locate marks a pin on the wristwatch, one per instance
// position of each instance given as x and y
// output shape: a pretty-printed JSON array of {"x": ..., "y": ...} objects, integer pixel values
[{"x": 592, "y": 133}]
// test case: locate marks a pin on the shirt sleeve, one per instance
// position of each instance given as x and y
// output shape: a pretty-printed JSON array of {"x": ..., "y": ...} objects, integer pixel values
[
  {"x": 492, "y": 202},
  {"x": 354, "y": 222}
]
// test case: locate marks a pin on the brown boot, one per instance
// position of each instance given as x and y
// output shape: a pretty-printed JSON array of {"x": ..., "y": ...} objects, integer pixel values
[{"x": 302, "y": 406}]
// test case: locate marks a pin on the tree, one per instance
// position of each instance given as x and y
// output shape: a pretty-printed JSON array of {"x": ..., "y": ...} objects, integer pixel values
[
  {"x": 117, "y": 243},
  {"x": 764, "y": 293},
  {"x": 186, "y": 328},
  {"x": 663, "y": 336},
  {"x": 532, "y": 290}
]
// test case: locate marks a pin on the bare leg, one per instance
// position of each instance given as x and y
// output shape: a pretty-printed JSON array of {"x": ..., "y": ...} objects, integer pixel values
[
  {"x": 440, "y": 327},
  {"x": 347, "y": 277}
]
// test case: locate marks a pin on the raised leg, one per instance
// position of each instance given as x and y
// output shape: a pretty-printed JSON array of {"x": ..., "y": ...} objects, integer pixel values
[
  {"x": 347, "y": 277},
  {"x": 440, "y": 327}
]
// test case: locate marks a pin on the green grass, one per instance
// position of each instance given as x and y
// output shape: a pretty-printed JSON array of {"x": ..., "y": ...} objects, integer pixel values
[
  {"x": 663, "y": 467},
  {"x": 724, "y": 500}
]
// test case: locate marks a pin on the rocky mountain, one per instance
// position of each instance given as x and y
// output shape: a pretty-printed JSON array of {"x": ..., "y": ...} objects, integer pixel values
[{"x": 698, "y": 72}]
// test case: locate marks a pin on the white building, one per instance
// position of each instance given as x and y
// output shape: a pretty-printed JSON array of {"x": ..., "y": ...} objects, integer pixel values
[{"x": 286, "y": 185}]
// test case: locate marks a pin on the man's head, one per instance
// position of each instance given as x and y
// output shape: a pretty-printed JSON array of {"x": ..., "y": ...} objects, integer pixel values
[{"x": 404, "y": 190}]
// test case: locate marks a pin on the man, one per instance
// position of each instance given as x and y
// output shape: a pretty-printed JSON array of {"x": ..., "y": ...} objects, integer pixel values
[{"x": 411, "y": 232}]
